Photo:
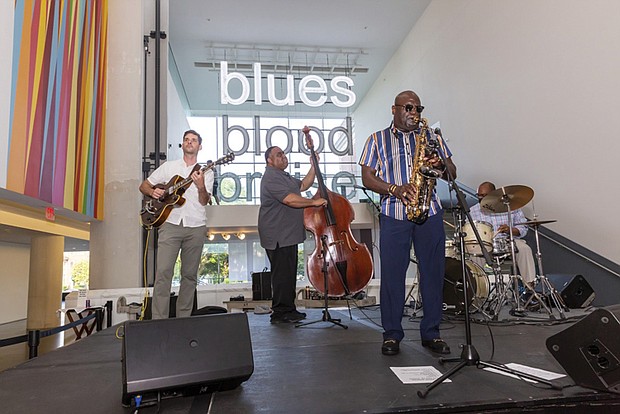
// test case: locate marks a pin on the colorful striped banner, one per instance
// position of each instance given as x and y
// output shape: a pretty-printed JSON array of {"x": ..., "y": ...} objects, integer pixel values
[{"x": 58, "y": 100}]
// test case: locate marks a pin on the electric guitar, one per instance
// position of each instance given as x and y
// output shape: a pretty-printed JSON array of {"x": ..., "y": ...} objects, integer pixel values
[{"x": 155, "y": 211}]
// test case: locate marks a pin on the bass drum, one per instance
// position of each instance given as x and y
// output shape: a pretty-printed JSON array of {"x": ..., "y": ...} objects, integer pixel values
[{"x": 477, "y": 283}]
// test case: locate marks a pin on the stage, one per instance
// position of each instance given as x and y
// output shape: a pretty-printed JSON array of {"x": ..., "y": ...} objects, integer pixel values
[{"x": 322, "y": 368}]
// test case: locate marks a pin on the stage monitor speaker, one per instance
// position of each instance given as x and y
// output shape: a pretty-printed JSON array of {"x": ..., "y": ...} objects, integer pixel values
[
  {"x": 575, "y": 290},
  {"x": 589, "y": 350},
  {"x": 261, "y": 286},
  {"x": 191, "y": 353}
]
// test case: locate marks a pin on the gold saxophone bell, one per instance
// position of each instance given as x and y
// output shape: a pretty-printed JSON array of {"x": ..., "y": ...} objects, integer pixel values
[{"x": 423, "y": 177}]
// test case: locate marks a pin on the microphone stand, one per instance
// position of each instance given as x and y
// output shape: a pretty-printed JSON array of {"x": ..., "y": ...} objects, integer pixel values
[
  {"x": 416, "y": 301},
  {"x": 369, "y": 198},
  {"x": 469, "y": 355}
]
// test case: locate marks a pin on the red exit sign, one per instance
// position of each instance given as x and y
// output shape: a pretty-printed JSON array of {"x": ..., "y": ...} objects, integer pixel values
[{"x": 50, "y": 214}]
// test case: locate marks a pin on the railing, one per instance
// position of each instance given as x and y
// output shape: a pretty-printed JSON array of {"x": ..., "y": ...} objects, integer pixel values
[{"x": 33, "y": 337}]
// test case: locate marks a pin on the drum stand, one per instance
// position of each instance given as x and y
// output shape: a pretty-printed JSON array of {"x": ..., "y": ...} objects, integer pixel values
[
  {"x": 518, "y": 310},
  {"x": 469, "y": 355},
  {"x": 326, "y": 316},
  {"x": 495, "y": 305},
  {"x": 547, "y": 289}
]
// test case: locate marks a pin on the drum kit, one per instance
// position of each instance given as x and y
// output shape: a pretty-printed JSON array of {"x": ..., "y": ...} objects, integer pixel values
[{"x": 482, "y": 296}]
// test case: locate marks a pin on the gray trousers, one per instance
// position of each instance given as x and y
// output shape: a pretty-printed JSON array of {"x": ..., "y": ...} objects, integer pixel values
[{"x": 172, "y": 239}]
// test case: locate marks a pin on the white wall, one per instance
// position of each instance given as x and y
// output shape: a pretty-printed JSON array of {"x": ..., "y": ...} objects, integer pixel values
[
  {"x": 14, "y": 275},
  {"x": 526, "y": 92}
]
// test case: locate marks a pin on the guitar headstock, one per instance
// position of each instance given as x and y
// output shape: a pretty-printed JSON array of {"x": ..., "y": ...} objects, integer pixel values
[{"x": 225, "y": 159}]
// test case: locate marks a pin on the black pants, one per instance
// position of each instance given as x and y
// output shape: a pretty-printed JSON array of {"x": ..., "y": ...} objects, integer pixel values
[{"x": 283, "y": 278}]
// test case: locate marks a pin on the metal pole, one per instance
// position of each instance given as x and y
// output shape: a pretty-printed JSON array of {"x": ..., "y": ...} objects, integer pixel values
[
  {"x": 99, "y": 318},
  {"x": 108, "y": 309},
  {"x": 34, "y": 339}
]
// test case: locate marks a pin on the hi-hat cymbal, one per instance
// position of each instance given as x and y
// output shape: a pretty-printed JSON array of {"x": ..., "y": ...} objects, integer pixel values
[
  {"x": 510, "y": 197},
  {"x": 535, "y": 222}
]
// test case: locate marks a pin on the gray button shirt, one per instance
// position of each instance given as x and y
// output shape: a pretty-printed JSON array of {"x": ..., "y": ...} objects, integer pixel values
[{"x": 279, "y": 224}]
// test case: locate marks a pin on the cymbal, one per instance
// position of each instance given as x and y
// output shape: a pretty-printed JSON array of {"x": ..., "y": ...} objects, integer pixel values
[
  {"x": 515, "y": 196},
  {"x": 535, "y": 222}
]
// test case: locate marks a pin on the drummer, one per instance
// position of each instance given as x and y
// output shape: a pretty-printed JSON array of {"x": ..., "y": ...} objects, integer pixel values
[{"x": 499, "y": 221}]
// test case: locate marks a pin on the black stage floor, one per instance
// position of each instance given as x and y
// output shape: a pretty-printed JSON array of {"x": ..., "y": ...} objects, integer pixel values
[{"x": 319, "y": 368}]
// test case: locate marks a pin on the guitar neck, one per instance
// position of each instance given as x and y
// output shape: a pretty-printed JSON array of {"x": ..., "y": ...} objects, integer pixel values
[{"x": 187, "y": 181}]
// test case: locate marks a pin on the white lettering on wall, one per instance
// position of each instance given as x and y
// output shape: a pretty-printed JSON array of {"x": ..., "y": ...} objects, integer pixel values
[
  {"x": 225, "y": 78},
  {"x": 271, "y": 91},
  {"x": 305, "y": 89},
  {"x": 309, "y": 87},
  {"x": 343, "y": 91}
]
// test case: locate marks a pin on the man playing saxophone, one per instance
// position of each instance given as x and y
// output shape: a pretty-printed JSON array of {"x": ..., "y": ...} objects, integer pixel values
[{"x": 389, "y": 168}]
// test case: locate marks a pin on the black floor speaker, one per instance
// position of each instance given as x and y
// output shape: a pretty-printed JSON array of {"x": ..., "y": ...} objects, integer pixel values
[
  {"x": 589, "y": 350},
  {"x": 261, "y": 286},
  {"x": 575, "y": 290},
  {"x": 182, "y": 355}
]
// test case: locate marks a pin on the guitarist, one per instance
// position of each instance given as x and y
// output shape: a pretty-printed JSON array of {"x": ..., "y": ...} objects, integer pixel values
[{"x": 184, "y": 230}]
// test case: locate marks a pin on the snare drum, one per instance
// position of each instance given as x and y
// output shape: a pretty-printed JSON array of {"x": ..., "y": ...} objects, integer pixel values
[
  {"x": 477, "y": 283},
  {"x": 451, "y": 250},
  {"x": 486, "y": 235}
]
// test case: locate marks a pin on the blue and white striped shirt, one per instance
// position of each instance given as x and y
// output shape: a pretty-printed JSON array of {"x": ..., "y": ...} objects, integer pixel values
[
  {"x": 497, "y": 219},
  {"x": 390, "y": 152}
]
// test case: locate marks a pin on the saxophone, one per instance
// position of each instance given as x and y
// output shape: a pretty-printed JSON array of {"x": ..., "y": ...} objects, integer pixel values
[{"x": 423, "y": 177}]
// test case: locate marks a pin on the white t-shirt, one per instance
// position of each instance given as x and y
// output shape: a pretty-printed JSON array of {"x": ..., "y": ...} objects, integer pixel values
[{"x": 191, "y": 213}]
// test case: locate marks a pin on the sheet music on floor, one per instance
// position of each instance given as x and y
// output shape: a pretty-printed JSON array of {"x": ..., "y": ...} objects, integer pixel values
[
  {"x": 541, "y": 373},
  {"x": 417, "y": 375}
]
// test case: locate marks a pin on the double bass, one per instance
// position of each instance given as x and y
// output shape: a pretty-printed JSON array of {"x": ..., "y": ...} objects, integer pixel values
[{"x": 346, "y": 263}]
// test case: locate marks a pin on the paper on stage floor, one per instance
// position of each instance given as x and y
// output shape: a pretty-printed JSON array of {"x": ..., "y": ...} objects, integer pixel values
[
  {"x": 540, "y": 373},
  {"x": 417, "y": 375}
]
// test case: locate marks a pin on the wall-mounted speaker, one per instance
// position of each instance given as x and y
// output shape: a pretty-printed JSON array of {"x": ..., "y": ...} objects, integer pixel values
[
  {"x": 589, "y": 350},
  {"x": 186, "y": 353},
  {"x": 575, "y": 290}
]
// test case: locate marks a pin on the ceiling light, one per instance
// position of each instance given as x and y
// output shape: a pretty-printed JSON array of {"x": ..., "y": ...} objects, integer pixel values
[
  {"x": 241, "y": 236},
  {"x": 210, "y": 236},
  {"x": 285, "y": 58},
  {"x": 225, "y": 236}
]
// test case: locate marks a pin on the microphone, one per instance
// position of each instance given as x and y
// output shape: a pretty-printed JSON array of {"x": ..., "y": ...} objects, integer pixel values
[
  {"x": 434, "y": 142},
  {"x": 359, "y": 187}
]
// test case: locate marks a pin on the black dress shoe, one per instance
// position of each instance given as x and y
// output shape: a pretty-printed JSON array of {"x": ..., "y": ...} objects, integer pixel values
[
  {"x": 297, "y": 313},
  {"x": 288, "y": 317},
  {"x": 436, "y": 345},
  {"x": 390, "y": 347}
]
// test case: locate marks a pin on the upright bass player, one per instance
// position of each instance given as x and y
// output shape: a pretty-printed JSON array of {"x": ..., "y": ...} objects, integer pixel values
[{"x": 281, "y": 229}]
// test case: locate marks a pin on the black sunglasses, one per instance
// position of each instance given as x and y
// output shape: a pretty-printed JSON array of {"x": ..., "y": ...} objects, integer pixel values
[{"x": 409, "y": 108}]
